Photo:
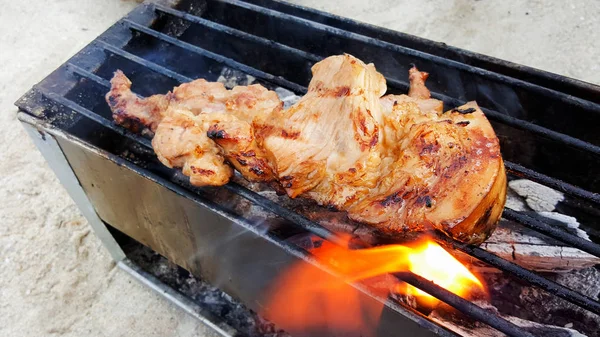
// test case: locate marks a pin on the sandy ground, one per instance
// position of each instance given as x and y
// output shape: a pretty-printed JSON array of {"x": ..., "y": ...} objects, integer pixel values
[
  {"x": 57, "y": 280},
  {"x": 557, "y": 36}
]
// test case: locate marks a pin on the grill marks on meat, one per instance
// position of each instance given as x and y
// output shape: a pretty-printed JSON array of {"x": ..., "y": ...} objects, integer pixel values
[
  {"x": 442, "y": 173},
  {"x": 337, "y": 126},
  {"x": 180, "y": 141},
  {"x": 397, "y": 162},
  {"x": 201, "y": 127}
]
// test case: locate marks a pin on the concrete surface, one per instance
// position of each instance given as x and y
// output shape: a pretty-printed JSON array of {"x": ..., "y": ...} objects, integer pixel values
[{"x": 56, "y": 279}]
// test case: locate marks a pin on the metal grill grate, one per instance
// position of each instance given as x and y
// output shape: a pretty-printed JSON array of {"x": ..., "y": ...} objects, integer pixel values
[{"x": 250, "y": 37}]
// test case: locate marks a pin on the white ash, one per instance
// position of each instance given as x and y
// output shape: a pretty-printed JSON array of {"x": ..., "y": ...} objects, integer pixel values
[
  {"x": 538, "y": 197},
  {"x": 231, "y": 78},
  {"x": 525, "y": 196},
  {"x": 287, "y": 97},
  {"x": 515, "y": 201},
  {"x": 569, "y": 221}
]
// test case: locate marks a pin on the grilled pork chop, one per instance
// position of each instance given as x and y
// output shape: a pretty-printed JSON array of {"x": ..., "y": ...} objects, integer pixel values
[{"x": 396, "y": 162}]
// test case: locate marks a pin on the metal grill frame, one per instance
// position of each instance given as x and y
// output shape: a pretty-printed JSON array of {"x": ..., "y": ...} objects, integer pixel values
[{"x": 83, "y": 67}]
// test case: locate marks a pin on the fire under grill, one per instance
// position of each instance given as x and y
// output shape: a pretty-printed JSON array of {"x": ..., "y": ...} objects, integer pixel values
[{"x": 240, "y": 236}]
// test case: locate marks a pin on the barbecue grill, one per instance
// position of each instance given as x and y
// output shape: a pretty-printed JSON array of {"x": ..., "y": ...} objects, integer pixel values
[{"x": 547, "y": 126}]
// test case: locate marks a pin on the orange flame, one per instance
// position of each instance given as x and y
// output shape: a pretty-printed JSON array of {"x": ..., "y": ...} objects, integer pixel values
[
  {"x": 434, "y": 263},
  {"x": 305, "y": 298}
]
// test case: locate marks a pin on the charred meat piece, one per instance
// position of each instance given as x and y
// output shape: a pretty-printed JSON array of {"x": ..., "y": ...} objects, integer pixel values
[{"x": 396, "y": 162}]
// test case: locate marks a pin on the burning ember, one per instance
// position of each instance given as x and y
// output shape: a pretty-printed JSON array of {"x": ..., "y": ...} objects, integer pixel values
[{"x": 303, "y": 299}]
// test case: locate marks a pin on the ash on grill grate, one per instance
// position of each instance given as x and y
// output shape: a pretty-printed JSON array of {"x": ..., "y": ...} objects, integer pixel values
[
  {"x": 232, "y": 77},
  {"x": 235, "y": 314}
]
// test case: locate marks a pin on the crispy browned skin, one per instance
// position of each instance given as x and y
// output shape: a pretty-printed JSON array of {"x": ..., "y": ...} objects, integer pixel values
[{"x": 398, "y": 163}]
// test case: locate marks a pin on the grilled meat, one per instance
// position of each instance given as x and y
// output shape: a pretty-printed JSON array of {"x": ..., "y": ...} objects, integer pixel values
[
  {"x": 201, "y": 127},
  {"x": 396, "y": 162},
  {"x": 131, "y": 111}
]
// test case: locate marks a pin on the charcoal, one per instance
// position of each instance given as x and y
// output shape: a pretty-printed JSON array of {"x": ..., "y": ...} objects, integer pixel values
[
  {"x": 512, "y": 297},
  {"x": 245, "y": 321}
]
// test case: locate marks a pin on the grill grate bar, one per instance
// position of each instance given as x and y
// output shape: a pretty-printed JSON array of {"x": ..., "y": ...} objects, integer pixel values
[
  {"x": 93, "y": 116},
  {"x": 87, "y": 74},
  {"x": 419, "y": 54},
  {"x": 295, "y": 218},
  {"x": 235, "y": 32},
  {"x": 463, "y": 305},
  {"x": 75, "y": 107},
  {"x": 552, "y": 287},
  {"x": 148, "y": 64},
  {"x": 540, "y": 130},
  {"x": 219, "y": 58},
  {"x": 552, "y": 231},
  {"x": 562, "y": 186},
  {"x": 500, "y": 117}
]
